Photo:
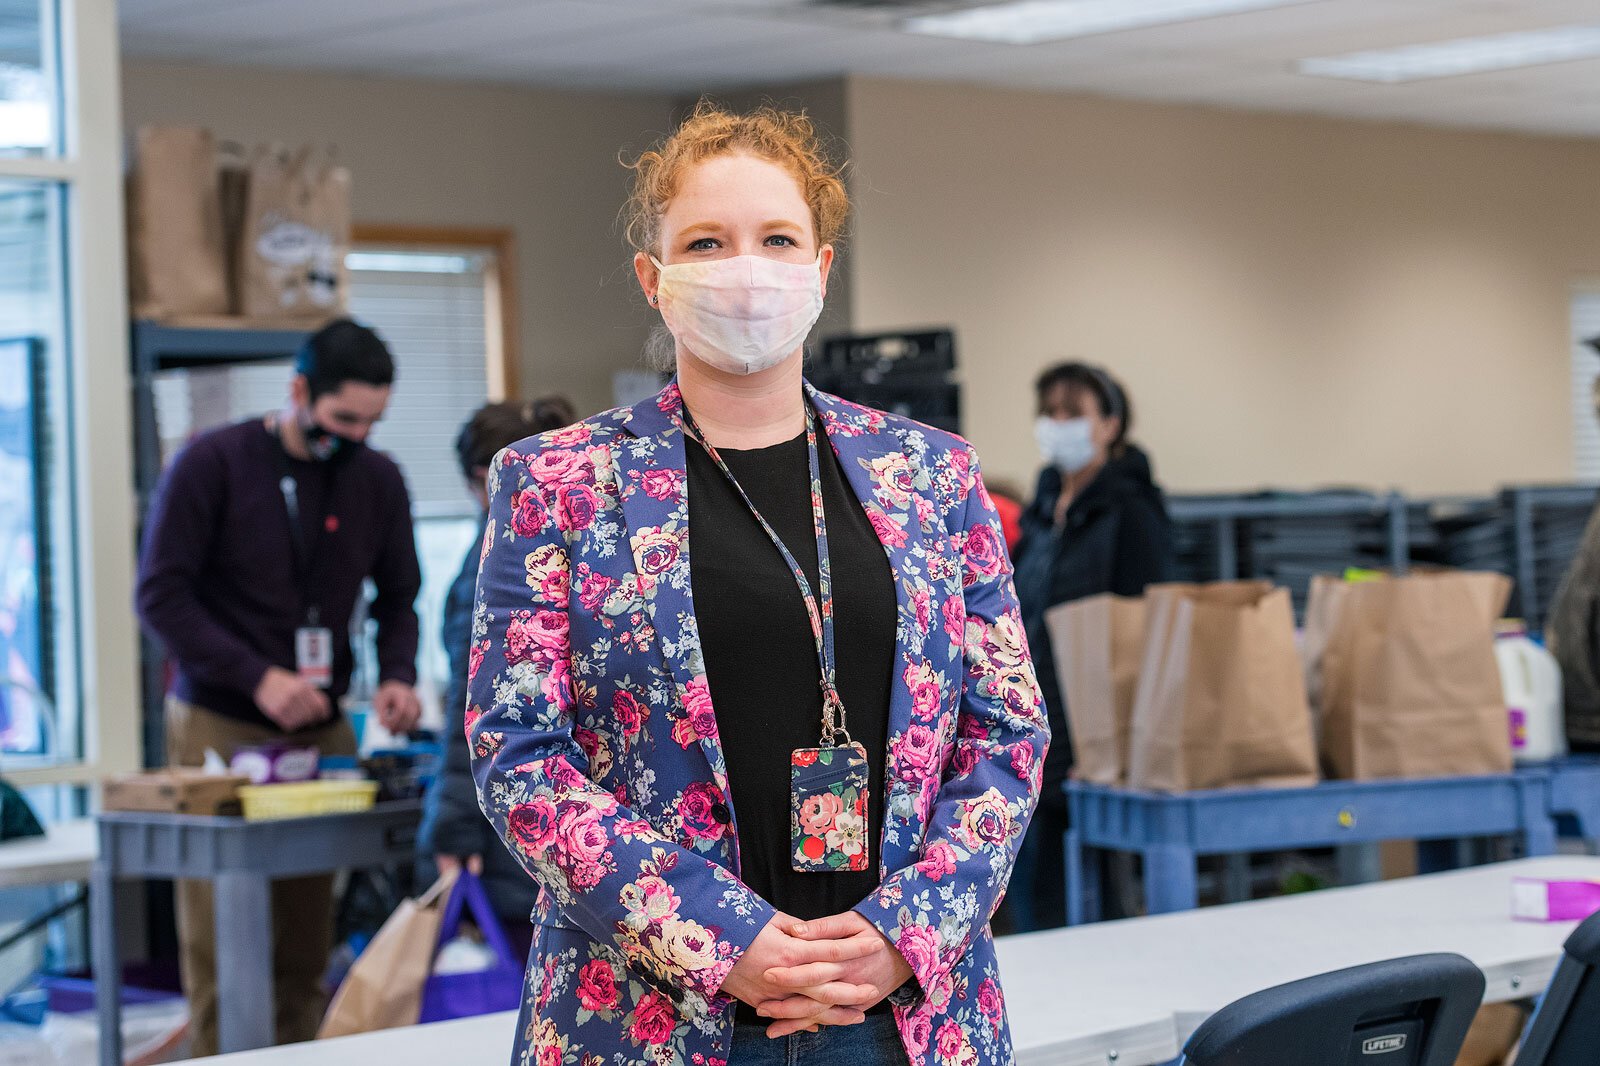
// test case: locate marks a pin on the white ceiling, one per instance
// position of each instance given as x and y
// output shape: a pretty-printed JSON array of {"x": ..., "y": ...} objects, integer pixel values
[{"x": 690, "y": 46}]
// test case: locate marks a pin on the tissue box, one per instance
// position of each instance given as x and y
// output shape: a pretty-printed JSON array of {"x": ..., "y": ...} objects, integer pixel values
[
  {"x": 1533, "y": 900},
  {"x": 177, "y": 790},
  {"x": 276, "y": 764}
]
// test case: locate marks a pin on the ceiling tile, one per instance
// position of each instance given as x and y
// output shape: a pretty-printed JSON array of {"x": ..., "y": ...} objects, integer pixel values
[{"x": 686, "y": 46}]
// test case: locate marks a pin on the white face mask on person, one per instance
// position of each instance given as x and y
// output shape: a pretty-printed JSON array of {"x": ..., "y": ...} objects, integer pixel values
[
  {"x": 1067, "y": 443},
  {"x": 742, "y": 314}
]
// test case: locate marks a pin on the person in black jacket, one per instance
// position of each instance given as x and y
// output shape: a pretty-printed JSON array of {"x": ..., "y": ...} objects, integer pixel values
[
  {"x": 454, "y": 830},
  {"x": 1097, "y": 523}
]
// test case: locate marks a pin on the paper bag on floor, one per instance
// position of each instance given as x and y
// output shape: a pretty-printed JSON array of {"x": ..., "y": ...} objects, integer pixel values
[
  {"x": 296, "y": 231},
  {"x": 1493, "y": 1035},
  {"x": 1221, "y": 698},
  {"x": 1410, "y": 684},
  {"x": 384, "y": 987},
  {"x": 175, "y": 235},
  {"x": 1099, "y": 645}
]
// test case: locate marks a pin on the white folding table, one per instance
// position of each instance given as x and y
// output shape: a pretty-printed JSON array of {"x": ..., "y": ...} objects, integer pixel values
[
  {"x": 65, "y": 853},
  {"x": 1128, "y": 993}
]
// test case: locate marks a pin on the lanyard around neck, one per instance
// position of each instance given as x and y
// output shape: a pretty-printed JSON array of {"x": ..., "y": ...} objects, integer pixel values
[
  {"x": 819, "y": 606},
  {"x": 307, "y": 550}
]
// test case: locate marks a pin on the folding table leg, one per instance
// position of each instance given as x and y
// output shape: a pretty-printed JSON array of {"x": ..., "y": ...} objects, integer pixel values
[
  {"x": 106, "y": 960},
  {"x": 1538, "y": 830},
  {"x": 1170, "y": 882},
  {"x": 1359, "y": 864},
  {"x": 245, "y": 1012},
  {"x": 1436, "y": 856},
  {"x": 1083, "y": 880},
  {"x": 1236, "y": 886}
]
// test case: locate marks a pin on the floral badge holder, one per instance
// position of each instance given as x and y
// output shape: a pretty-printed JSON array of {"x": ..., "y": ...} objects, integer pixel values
[{"x": 828, "y": 790}]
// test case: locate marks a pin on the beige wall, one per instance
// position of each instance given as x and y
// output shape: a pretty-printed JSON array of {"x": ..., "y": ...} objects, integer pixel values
[
  {"x": 1291, "y": 301},
  {"x": 429, "y": 153}
]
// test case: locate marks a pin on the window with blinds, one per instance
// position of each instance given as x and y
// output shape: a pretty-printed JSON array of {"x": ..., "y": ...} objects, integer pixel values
[
  {"x": 1585, "y": 369},
  {"x": 430, "y": 308}
]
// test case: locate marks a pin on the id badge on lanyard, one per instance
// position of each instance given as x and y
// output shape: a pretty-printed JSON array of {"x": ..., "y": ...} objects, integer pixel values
[
  {"x": 313, "y": 655},
  {"x": 829, "y": 785},
  {"x": 828, "y": 790}
]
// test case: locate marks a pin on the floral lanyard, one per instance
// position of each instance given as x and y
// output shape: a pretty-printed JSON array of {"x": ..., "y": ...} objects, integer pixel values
[{"x": 838, "y": 767}]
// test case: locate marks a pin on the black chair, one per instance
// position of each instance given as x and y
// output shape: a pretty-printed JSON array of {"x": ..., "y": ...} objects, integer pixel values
[
  {"x": 1405, "y": 1012},
  {"x": 1565, "y": 1031}
]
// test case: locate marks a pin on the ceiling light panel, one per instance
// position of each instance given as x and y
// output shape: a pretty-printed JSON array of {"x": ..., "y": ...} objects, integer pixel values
[
  {"x": 1036, "y": 21},
  {"x": 1466, "y": 55}
]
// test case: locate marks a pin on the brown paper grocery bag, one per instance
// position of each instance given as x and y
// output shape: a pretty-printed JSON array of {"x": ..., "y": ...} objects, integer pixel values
[
  {"x": 383, "y": 989},
  {"x": 233, "y": 185},
  {"x": 1410, "y": 685},
  {"x": 1322, "y": 611},
  {"x": 1221, "y": 698},
  {"x": 1099, "y": 646},
  {"x": 1494, "y": 1034},
  {"x": 294, "y": 235},
  {"x": 175, "y": 235}
]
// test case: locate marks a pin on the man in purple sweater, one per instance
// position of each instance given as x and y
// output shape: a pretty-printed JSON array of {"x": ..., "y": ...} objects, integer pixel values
[{"x": 256, "y": 546}]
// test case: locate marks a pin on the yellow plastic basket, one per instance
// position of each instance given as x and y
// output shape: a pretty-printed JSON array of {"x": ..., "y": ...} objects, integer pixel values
[{"x": 302, "y": 799}]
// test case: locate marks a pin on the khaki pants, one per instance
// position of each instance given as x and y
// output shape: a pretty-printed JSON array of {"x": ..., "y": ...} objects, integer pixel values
[{"x": 302, "y": 907}]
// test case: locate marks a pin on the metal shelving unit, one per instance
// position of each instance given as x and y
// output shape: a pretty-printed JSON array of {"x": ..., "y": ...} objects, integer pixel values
[{"x": 1289, "y": 538}]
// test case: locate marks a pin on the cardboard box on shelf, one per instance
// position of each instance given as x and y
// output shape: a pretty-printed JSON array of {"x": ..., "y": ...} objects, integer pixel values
[{"x": 177, "y": 790}]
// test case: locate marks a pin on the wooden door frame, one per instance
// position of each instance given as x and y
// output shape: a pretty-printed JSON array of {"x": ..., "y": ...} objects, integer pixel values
[{"x": 499, "y": 281}]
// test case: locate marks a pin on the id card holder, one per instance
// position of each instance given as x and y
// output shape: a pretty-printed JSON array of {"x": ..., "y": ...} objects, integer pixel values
[
  {"x": 828, "y": 791},
  {"x": 313, "y": 655}
]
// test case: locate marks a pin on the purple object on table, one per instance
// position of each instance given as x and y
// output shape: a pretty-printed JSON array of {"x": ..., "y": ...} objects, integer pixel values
[
  {"x": 463, "y": 995},
  {"x": 273, "y": 764},
  {"x": 1554, "y": 901}
]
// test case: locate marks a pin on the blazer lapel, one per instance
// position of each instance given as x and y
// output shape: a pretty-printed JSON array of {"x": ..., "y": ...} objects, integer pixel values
[{"x": 654, "y": 491}]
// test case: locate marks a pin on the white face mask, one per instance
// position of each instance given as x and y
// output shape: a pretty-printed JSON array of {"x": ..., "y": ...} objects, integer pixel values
[
  {"x": 742, "y": 314},
  {"x": 1066, "y": 443}
]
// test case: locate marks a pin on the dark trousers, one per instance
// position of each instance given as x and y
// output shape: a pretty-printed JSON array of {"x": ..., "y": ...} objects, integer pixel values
[{"x": 302, "y": 907}]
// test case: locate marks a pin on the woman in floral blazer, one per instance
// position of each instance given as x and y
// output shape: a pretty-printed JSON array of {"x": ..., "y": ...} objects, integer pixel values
[{"x": 595, "y": 743}]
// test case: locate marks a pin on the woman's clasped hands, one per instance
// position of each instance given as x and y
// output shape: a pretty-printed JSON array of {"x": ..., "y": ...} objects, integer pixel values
[{"x": 807, "y": 974}]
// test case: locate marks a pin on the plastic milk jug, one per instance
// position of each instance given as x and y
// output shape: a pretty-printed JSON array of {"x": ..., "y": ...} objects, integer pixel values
[{"x": 1531, "y": 680}]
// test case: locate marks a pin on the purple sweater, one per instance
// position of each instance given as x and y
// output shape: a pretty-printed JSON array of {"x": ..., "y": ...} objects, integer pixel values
[{"x": 218, "y": 582}]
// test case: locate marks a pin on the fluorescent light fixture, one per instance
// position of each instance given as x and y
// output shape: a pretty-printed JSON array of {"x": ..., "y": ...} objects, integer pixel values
[
  {"x": 411, "y": 262},
  {"x": 1034, "y": 21},
  {"x": 1466, "y": 55}
]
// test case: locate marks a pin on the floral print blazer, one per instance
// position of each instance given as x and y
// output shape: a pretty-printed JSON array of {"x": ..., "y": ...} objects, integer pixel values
[{"x": 594, "y": 741}]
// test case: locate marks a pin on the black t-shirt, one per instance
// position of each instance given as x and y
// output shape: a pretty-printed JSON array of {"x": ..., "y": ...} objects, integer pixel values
[{"x": 761, "y": 659}]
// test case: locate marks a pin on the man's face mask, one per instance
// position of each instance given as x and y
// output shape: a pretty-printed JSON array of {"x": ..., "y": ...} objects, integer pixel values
[{"x": 323, "y": 443}]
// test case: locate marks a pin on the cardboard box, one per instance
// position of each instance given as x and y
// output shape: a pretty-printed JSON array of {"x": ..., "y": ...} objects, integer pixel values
[
  {"x": 1493, "y": 1035},
  {"x": 174, "y": 791}
]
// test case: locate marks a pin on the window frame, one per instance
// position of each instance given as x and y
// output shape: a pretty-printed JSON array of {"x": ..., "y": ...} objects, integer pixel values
[
  {"x": 499, "y": 284},
  {"x": 88, "y": 170}
]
